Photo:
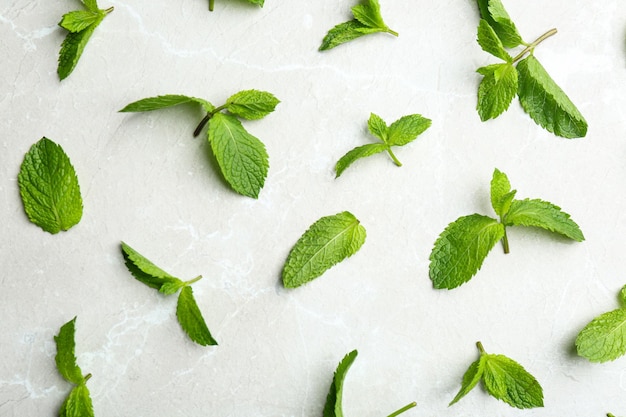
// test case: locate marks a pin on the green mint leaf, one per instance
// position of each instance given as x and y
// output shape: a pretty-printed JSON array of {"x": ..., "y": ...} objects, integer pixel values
[
  {"x": 345, "y": 32},
  {"x": 252, "y": 104},
  {"x": 333, "y": 406},
  {"x": 79, "y": 20},
  {"x": 461, "y": 248},
  {"x": 78, "y": 403},
  {"x": 494, "y": 13},
  {"x": 145, "y": 271},
  {"x": 328, "y": 241},
  {"x": 496, "y": 90},
  {"x": 377, "y": 127},
  {"x": 162, "y": 102},
  {"x": 191, "y": 320},
  {"x": 501, "y": 194},
  {"x": 357, "y": 153},
  {"x": 508, "y": 381},
  {"x": 368, "y": 13},
  {"x": 546, "y": 103},
  {"x": 242, "y": 158},
  {"x": 545, "y": 215},
  {"x": 65, "y": 357},
  {"x": 49, "y": 187},
  {"x": 604, "y": 338},
  {"x": 91, "y": 5},
  {"x": 490, "y": 43},
  {"x": 622, "y": 296},
  {"x": 471, "y": 377},
  {"x": 257, "y": 2},
  {"x": 406, "y": 129}
]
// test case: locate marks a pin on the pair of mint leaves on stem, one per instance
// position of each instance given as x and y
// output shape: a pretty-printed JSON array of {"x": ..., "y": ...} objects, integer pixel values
[
  {"x": 258, "y": 2},
  {"x": 502, "y": 378},
  {"x": 49, "y": 187},
  {"x": 81, "y": 25},
  {"x": 242, "y": 158},
  {"x": 367, "y": 19},
  {"x": 604, "y": 338},
  {"x": 462, "y": 247},
  {"x": 401, "y": 132},
  {"x": 521, "y": 75},
  {"x": 187, "y": 310},
  {"x": 333, "y": 406},
  {"x": 78, "y": 402}
]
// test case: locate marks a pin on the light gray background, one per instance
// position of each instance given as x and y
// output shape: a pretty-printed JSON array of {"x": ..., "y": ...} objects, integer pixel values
[{"x": 147, "y": 181}]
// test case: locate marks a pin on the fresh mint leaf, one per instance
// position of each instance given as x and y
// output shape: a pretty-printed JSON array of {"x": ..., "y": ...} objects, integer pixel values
[
  {"x": 358, "y": 153},
  {"x": 604, "y": 338},
  {"x": 328, "y": 241},
  {"x": 494, "y": 13},
  {"x": 78, "y": 402},
  {"x": 257, "y": 2},
  {"x": 367, "y": 19},
  {"x": 504, "y": 379},
  {"x": 461, "y": 248},
  {"x": 545, "y": 215},
  {"x": 496, "y": 90},
  {"x": 252, "y": 104},
  {"x": 65, "y": 357},
  {"x": 49, "y": 187},
  {"x": 191, "y": 320},
  {"x": 546, "y": 103},
  {"x": 241, "y": 156},
  {"x": 333, "y": 406},
  {"x": 187, "y": 311},
  {"x": 402, "y": 131},
  {"x": 489, "y": 41},
  {"x": 81, "y": 25},
  {"x": 162, "y": 102}
]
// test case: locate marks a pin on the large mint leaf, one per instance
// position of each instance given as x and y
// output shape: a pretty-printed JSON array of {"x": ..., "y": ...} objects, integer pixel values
[
  {"x": 545, "y": 215},
  {"x": 328, "y": 241},
  {"x": 162, "y": 102},
  {"x": 546, "y": 103},
  {"x": 191, "y": 320},
  {"x": 333, "y": 406},
  {"x": 496, "y": 90},
  {"x": 49, "y": 187},
  {"x": 604, "y": 338},
  {"x": 242, "y": 158},
  {"x": 508, "y": 381},
  {"x": 461, "y": 248}
]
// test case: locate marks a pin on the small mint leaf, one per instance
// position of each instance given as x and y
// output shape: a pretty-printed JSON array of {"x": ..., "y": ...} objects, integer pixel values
[
  {"x": 333, "y": 406},
  {"x": 191, "y": 320}
]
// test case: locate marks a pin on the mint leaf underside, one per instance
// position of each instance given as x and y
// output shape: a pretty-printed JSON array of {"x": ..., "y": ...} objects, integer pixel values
[
  {"x": 328, "y": 241},
  {"x": 49, "y": 187},
  {"x": 604, "y": 338}
]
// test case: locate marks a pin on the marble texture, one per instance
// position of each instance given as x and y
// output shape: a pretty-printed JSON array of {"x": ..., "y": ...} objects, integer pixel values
[{"x": 147, "y": 181}]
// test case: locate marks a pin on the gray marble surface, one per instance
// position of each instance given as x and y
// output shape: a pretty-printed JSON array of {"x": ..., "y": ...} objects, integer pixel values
[{"x": 145, "y": 180}]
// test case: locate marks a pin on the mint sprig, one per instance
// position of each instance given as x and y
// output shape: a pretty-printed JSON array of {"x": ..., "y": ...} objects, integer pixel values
[
  {"x": 257, "y": 2},
  {"x": 80, "y": 24},
  {"x": 462, "y": 247},
  {"x": 521, "y": 75},
  {"x": 604, "y": 338},
  {"x": 367, "y": 19},
  {"x": 78, "y": 402},
  {"x": 334, "y": 400},
  {"x": 502, "y": 378},
  {"x": 187, "y": 310},
  {"x": 49, "y": 187},
  {"x": 242, "y": 158},
  {"x": 328, "y": 241},
  {"x": 401, "y": 132}
]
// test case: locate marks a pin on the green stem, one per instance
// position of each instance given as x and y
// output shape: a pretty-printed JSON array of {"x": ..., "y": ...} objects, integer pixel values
[
  {"x": 191, "y": 281},
  {"x": 393, "y": 32},
  {"x": 211, "y": 4},
  {"x": 532, "y": 46},
  {"x": 395, "y": 160},
  {"x": 480, "y": 348},
  {"x": 206, "y": 119},
  {"x": 403, "y": 409},
  {"x": 86, "y": 377},
  {"x": 505, "y": 241},
  {"x": 109, "y": 10},
  {"x": 610, "y": 415}
]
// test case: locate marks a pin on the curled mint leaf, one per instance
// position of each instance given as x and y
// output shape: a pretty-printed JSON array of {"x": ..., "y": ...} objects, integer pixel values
[
  {"x": 257, "y": 2},
  {"x": 49, "y": 187},
  {"x": 328, "y": 241},
  {"x": 494, "y": 13},
  {"x": 191, "y": 320}
]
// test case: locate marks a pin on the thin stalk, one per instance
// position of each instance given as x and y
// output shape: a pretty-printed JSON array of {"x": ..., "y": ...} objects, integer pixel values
[
  {"x": 191, "y": 281},
  {"x": 505, "y": 242},
  {"x": 403, "y": 409},
  {"x": 206, "y": 119},
  {"x": 532, "y": 46},
  {"x": 86, "y": 377},
  {"x": 211, "y": 4},
  {"x": 109, "y": 10},
  {"x": 480, "y": 348},
  {"x": 393, "y": 32},
  {"x": 395, "y": 160}
]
